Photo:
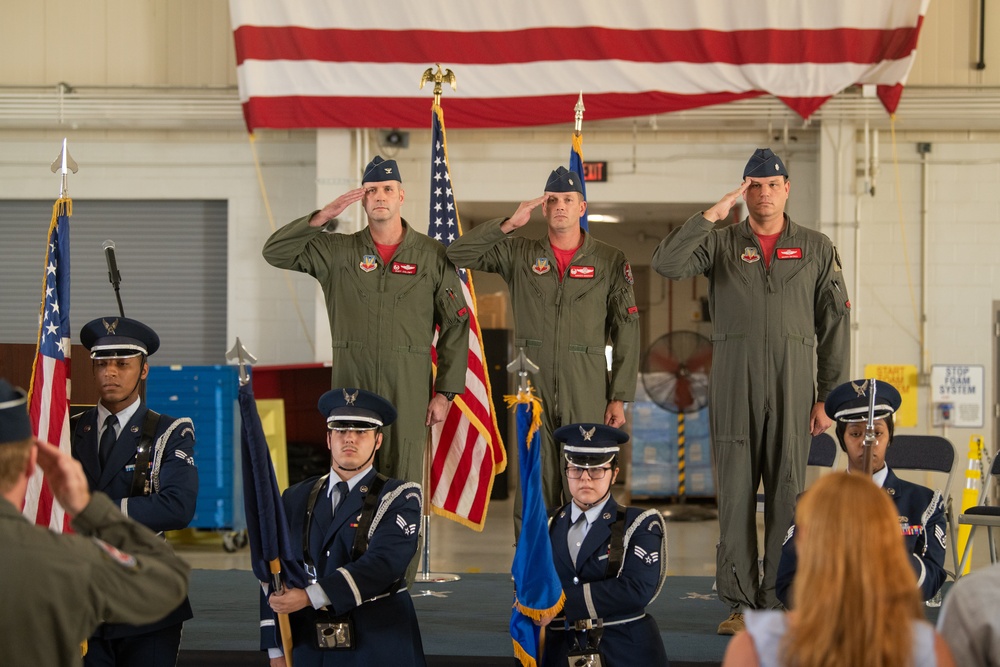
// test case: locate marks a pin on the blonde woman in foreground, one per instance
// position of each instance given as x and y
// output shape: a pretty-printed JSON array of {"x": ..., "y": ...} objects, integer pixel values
[{"x": 855, "y": 594}]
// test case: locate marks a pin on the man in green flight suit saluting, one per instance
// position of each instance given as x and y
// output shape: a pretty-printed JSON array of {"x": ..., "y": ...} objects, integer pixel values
[{"x": 571, "y": 296}]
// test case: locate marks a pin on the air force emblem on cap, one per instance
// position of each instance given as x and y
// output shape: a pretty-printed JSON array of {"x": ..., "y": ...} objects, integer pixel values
[
  {"x": 587, "y": 434},
  {"x": 350, "y": 398},
  {"x": 110, "y": 326}
]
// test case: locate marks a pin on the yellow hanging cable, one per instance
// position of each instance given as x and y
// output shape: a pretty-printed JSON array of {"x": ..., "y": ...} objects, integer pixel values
[{"x": 270, "y": 220}]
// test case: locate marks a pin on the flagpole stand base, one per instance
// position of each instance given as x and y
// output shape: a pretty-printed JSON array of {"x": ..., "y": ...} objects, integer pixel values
[
  {"x": 684, "y": 512},
  {"x": 435, "y": 577}
]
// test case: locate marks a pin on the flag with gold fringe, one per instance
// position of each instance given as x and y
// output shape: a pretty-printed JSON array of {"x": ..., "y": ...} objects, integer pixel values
[
  {"x": 576, "y": 166},
  {"x": 49, "y": 393},
  {"x": 537, "y": 591},
  {"x": 467, "y": 449}
]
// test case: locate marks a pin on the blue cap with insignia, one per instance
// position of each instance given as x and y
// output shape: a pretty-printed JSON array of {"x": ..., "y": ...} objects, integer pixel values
[
  {"x": 14, "y": 423},
  {"x": 355, "y": 410},
  {"x": 849, "y": 402},
  {"x": 563, "y": 180},
  {"x": 118, "y": 338},
  {"x": 589, "y": 445},
  {"x": 381, "y": 170},
  {"x": 763, "y": 163}
]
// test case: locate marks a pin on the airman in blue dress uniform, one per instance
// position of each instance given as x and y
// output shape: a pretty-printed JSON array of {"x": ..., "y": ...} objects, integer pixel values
[
  {"x": 611, "y": 560},
  {"x": 921, "y": 510},
  {"x": 356, "y": 530},
  {"x": 145, "y": 463}
]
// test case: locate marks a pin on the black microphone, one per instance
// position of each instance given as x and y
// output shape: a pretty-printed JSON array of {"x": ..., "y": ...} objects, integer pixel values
[{"x": 109, "y": 254}]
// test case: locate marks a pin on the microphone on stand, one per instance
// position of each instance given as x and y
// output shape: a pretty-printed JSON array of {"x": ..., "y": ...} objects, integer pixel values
[{"x": 113, "y": 275}]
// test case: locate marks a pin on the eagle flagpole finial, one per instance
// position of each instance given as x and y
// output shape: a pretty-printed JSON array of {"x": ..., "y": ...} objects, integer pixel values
[{"x": 438, "y": 78}]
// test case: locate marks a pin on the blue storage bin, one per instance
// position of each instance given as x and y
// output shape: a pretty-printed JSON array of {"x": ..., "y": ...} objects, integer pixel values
[{"x": 208, "y": 396}]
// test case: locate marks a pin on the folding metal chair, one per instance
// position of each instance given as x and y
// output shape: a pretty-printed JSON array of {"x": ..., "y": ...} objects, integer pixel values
[
  {"x": 928, "y": 453},
  {"x": 983, "y": 514}
]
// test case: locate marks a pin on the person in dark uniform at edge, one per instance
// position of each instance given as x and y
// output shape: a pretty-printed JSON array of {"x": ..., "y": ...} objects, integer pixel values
[
  {"x": 571, "y": 296},
  {"x": 780, "y": 344},
  {"x": 611, "y": 560},
  {"x": 921, "y": 510},
  {"x": 60, "y": 587},
  {"x": 144, "y": 462},
  {"x": 357, "y": 592}
]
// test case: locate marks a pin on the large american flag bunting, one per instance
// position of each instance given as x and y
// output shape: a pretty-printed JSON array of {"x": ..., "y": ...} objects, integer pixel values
[
  {"x": 467, "y": 450},
  {"x": 343, "y": 64},
  {"x": 48, "y": 397}
]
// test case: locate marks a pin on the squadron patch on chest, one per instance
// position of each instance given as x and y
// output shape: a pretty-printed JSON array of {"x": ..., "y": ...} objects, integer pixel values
[
  {"x": 368, "y": 263},
  {"x": 750, "y": 255},
  {"x": 404, "y": 268},
  {"x": 586, "y": 272},
  {"x": 541, "y": 266},
  {"x": 407, "y": 528},
  {"x": 789, "y": 253}
]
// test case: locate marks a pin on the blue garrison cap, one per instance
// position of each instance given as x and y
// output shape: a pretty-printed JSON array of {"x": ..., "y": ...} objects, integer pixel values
[
  {"x": 118, "y": 337},
  {"x": 355, "y": 409},
  {"x": 381, "y": 170},
  {"x": 763, "y": 164},
  {"x": 849, "y": 402},
  {"x": 564, "y": 180},
  {"x": 589, "y": 445},
  {"x": 14, "y": 423}
]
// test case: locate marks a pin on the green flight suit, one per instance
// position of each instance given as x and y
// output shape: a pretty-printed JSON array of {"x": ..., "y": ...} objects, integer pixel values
[
  {"x": 382, "y": 321},
  {"x": 771, "y": 328},
  {"x": 59, "y": 588},
  {"x": 564, "y": 327}
]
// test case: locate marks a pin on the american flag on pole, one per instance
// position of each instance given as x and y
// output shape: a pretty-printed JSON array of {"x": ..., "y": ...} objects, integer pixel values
[
  {"x": 343, "y": 64},
  {"x": 466, "y": 449},
  {"x": 48, "y": 397}
]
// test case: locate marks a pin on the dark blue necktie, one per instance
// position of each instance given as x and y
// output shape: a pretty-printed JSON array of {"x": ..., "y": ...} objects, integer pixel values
[
  {"x": 343, "y": 491},
  {"x": 108, "y": 439}
]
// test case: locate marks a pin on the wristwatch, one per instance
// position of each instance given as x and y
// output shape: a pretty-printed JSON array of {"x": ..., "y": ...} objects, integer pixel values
[{"x": 450, "y": 395}]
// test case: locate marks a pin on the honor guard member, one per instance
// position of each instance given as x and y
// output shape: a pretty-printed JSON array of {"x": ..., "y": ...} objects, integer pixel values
[
  {"x": 571, "y": 296},
  {"x": 60, "y": 587},
  {"x": 387, "y": 287},
  {"x": 144, "y": 462},
  {"x": 781, "y": 343},
  {"x": 611, "y": 560},
  {"x": 356, "y": 531},
  {"x": 921, "y": 511}
]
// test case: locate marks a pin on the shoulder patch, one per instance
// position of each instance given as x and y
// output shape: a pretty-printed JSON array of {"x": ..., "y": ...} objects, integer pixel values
[
  {"x": 628, "y": 274},
  {"x": 788, "y": 535},
  {"x": 127, "y": 561},
  {"x": 836, "y": 260},
  {"x": 407, "y": 528}
]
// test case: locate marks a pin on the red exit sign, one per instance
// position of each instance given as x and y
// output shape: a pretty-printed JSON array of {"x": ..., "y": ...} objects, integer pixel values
[{"x": 595, "y": 171}]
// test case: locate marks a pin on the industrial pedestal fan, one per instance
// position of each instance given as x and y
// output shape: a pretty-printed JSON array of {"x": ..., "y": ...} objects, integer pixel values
[{"x": 675, "y": 372}]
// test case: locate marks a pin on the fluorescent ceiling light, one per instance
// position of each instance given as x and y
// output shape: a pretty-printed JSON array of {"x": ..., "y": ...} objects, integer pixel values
[{"x": 603, "y": 217}]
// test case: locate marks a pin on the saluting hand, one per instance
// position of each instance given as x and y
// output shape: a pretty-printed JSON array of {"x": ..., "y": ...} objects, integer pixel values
[
  {"x": 722, "y": 208},
  {"x": 65, "y": 477},
  {"x": 522, "y": 214},
  {"x": 336, "y": 207}
]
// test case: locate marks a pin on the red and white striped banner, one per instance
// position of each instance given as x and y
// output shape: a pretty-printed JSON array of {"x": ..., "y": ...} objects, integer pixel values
[{"x": 520, "y": 63}]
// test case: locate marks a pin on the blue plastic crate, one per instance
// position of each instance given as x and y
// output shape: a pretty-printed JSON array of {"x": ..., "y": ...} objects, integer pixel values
[{"x": 208, "y": 396}]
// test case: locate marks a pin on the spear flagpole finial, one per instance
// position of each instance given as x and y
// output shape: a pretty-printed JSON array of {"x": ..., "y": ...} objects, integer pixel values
[
  {"x": 63, "y": 164},
  {"x": 522, "y": 365},
  {"x": 438, "y": 77},
  {"x": 578, "y": 114},
  {"x": 242, "y": 356}
]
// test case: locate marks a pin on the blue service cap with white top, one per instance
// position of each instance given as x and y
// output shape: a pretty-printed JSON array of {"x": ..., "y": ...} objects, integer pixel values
[
  {"x": 380, "y": 169},
  {"x": 589, "y": 445},
  {"x": 563, "y": 180},
  {"x": 355, "y": 409},
  {"x": 118, "y": 338},
  {"x": 763, "y": 164},
  {"x": 849, "y": 402},
  {"x": 14, "y": 423}
]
